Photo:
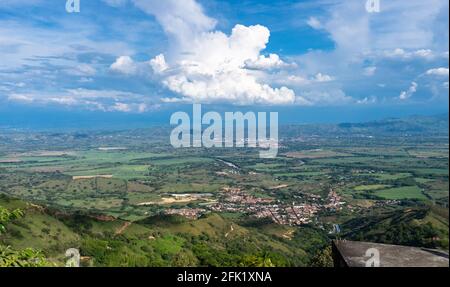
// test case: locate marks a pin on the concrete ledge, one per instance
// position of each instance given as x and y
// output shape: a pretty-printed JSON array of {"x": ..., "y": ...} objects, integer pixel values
[{"x": 367, "y": 254}]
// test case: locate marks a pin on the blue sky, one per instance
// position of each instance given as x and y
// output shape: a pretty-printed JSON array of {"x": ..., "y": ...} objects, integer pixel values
[{"x": 130, "y": 57}]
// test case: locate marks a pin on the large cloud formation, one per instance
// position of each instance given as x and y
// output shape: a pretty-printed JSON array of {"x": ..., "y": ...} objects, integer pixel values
[
  {"x": 375, "y": 54},
  {"x": 205, "y": 65}
]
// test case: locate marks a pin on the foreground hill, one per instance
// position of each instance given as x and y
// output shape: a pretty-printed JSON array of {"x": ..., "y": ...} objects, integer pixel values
[
  {"x": 424, "y": 227},
  {"x": 212, "y": 240}
]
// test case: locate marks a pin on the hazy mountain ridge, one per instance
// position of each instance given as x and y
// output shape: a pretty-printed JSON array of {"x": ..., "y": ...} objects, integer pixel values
[{"x": 415, "y": 124}]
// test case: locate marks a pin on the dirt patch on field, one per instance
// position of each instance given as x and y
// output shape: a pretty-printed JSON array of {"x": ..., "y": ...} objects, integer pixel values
[
  {"x": 105, "y": 218},
  {"x": 288, "y": 235},
  {"x": 315, "y": 154},
  {"x": 123, "y": 228},
  {"x": 91, "y": 176},
  {"x": 279, "y": 186},
  {"x": 37, "y": 207},
  {"x": 10, "y": 160},
  {"x": 55, "y": 153},
  {"x": 168, "y": 200},
  {"x": 231, "y": 230},
  {"x": 181, "y": 198}
]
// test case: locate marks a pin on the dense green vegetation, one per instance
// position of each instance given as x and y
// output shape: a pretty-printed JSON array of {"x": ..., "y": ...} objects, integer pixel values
[
  {"x": 107, "y": 194},
  {"x": 17, "y": 258},
  {"x": 161, "y": 240}
]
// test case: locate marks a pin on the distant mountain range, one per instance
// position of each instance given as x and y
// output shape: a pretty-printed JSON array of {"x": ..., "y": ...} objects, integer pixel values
[
  {"x": 424, "y": 125},
  {"x": 414, "y": 124},
  {"x": 437, "y": 125}
]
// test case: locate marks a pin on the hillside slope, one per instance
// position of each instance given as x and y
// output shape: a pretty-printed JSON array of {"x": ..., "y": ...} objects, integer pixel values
[
  {"x": 422, "y": 227},
  {"x": 159, "y": 240}
]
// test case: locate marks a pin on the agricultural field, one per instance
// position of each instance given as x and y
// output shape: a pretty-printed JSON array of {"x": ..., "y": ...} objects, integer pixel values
[
  {"x": 112, "y": 179},
  {"x": 406, "y": 192},
  {"x": 169, "y": 201}
]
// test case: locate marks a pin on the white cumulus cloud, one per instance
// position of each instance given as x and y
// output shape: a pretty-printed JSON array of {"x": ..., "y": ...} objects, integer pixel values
[
  {"x": 125, "y": 65},
  {"x": 438, "y": 72},
  {"x": 206, "y": 65},
  {"x": 159, "y": 64},
  {"x": 319, "y": 77},
  {"x": 121, "y": 107},
  {"x": 404, "y": 95},
  {"x": 414, "y": 54},
  {"x": 313, "y": 22},
  {"x": 273, "y": 61},
  {"x": 102, "y": 100}
]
